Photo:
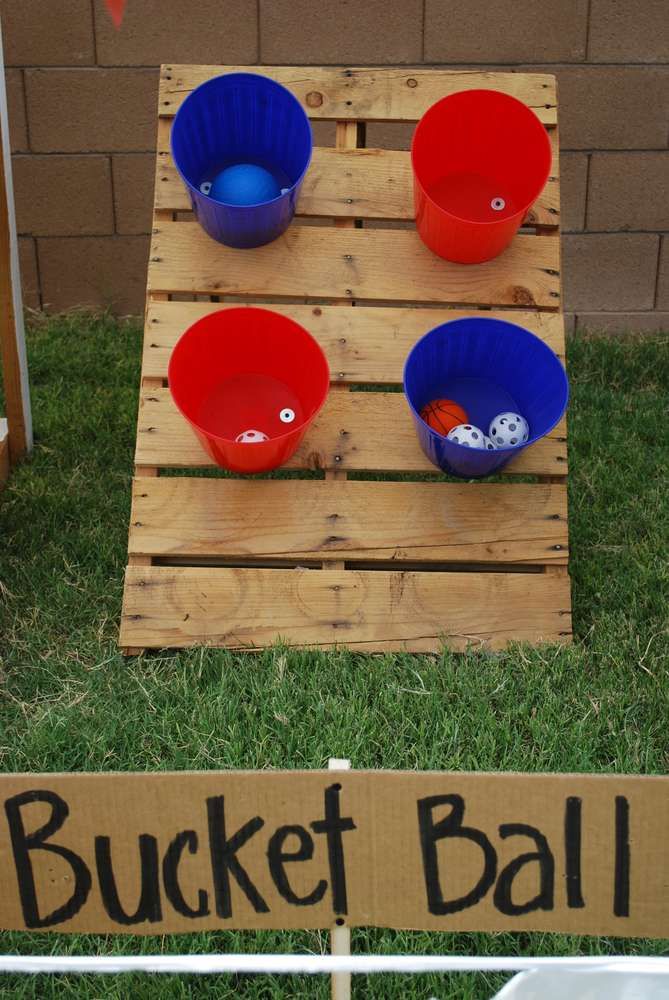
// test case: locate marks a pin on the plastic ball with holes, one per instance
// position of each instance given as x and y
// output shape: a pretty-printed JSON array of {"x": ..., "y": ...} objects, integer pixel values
[
  {"x": 467, "y": 435},
  {"x": 287, "y": 416},
  {"x": 508, "y": 430},
  {"x": 251, "y": 437}
]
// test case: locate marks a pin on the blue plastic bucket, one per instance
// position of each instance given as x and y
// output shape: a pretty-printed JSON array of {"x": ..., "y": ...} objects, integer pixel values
[
  {"x": 487, "y": 366},
  {"x": 242, "y": 118}
]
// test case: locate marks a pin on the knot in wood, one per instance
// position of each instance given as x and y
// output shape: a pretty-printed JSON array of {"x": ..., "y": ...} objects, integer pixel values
[
  {"x": 314, "y": 99},
  {"x": 522, "y": 296}
]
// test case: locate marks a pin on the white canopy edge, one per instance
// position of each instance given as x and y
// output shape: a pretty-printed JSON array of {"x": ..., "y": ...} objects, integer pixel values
[{"x": 14, "y": 253}]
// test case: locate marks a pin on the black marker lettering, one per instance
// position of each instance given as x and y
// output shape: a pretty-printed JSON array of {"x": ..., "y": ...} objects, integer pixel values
[
  {"x": 447, "y": 828},
  {"x": 187, "y": 838},
  {"x": 621, "y": 891},
  {"x": 572, "y": 851},
  {"x": 333, "y": 826},
  {"x": 544, "y": 900},
  {"x": 148, "y": 907},
  {"x": 23, "y": 843},
  {"x": 223, "y": 853},
  {"x": 278, "y": 858}
]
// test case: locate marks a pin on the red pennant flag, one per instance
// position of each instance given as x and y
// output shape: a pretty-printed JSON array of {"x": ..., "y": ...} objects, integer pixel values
[{"x": 116, "y": 8}]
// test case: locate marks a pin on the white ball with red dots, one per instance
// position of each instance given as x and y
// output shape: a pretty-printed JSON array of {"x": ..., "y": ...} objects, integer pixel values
[
  {"x": 468, "y": 435},
  {"x": 508, "y": 430}
]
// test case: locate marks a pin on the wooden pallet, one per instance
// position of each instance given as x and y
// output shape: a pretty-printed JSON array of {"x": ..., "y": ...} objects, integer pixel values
[{"x": 333, "y": 555}]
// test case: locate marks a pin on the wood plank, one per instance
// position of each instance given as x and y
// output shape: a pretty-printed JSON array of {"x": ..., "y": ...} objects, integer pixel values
[
  {"x": 345, "y": 264},
  {"x": 165, "y": 127},
  {"x": 354, "y": 431},
  {"x": 432, "y": 522},
  {"x": 351, "y": 183},
  {"x": 348, "y": 134},
  {"x": 365, "y": 344},
  {"x": 369, "y": 610},
  {"x": 375, "y": 94}
]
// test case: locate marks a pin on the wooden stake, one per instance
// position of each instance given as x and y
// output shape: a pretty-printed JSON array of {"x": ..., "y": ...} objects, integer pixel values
[{"x": 340, "y": 937}]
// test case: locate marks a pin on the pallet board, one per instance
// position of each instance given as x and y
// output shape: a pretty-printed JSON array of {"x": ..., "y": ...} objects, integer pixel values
[
  {"x": 347, "y": 183},
  {"x": 356, "y": 520},
  {"x": 326, "y": 262},
  {"x": 351, "y": 432},
  {"x": 366, "y": 610},
  {"x": 365, "y": 94},
  {"x": 365, "y": 544},
  {"x": 362, "y": 345}
]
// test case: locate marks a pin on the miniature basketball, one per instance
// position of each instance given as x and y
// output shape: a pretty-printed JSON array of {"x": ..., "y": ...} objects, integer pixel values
[{"x": 442, "y": 415}]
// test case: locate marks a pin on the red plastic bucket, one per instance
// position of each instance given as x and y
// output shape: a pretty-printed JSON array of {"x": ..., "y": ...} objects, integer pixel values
[
  {"x": 249, "y": 382},
  {"x": 480, "y": 160}
]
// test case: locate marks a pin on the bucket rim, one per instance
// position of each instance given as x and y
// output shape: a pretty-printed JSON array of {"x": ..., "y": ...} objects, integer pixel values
[
  {"x": 256, "y": 204},
  {"x": 505, "y": 219},
  {"x": 509, "y": 449},
  {"x": 231, "y": 441}
]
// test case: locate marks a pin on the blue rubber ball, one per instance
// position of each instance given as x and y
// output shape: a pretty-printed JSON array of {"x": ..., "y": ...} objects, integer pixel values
[{"x": 244, "y": 184}]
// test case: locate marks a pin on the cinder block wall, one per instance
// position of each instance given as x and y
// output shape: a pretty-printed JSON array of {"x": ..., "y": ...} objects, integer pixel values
[{"x": 82, "y": 108}]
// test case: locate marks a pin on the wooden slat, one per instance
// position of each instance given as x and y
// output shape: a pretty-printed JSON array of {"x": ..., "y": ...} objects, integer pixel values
[
  {"x": 326, "y": 262},
  {"x": 365, "y": 344},
  {"x": 149, "y": 382},
  {"x": 370, "y": 610},
  {"x": 348, "y": 134},
  {"x": 432, "y": 522},
  {"x": 383, "y": 94},
  {"x": 354, "y": 431},
  {"x": 165, "y": 127},
  {"x": 353, "y": 183}
]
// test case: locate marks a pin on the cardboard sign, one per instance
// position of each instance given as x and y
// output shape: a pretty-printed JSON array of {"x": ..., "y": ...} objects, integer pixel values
[{"x": 156, "y": 853}]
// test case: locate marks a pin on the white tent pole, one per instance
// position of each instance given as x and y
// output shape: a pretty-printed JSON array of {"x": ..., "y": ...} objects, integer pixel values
[
  {"x": 23, "y": 434},
  {"x": 326, "y": 964}
]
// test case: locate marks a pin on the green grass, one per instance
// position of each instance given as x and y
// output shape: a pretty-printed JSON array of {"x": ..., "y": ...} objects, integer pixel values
[{"x": 69, "y": 701}]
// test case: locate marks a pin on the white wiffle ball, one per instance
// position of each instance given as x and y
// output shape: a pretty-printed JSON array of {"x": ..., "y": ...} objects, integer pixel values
[
  {"x": 508, "y": 430},
  {"x": 468, "y": 435},
  {"x": 251, "y": 437},
  {"x": 487, "y": 443}
]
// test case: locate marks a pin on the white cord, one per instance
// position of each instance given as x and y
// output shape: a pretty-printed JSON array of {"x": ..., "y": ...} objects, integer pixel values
[{"x": 310, "y": 964}]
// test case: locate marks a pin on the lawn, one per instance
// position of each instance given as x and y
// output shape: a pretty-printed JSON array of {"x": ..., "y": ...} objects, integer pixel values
[{"x": 70, "y": 701}]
